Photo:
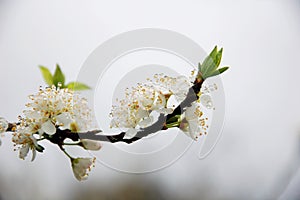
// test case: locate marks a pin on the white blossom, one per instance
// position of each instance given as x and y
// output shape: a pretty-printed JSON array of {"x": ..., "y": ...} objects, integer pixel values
[
  {"x": 81, "y": 167},
  {"x": 172, "y": 86},
  {"x": 141, "y": 103},
  {"x": 49, "y": 109},
  {"x": 206, "y": 101},
  {"x": 193, "y": 123},
  {"x": 130, "y": 133},
  {"x": 25, "y": 141},
  {"x": 54, "y": 107},
  {"x": 205, "y": 97}
]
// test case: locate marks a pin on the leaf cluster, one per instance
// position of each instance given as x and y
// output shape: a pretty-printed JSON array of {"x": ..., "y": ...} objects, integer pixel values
[
  {"x": 210, "y": 65},
  {"x": 58, "y": 79}
]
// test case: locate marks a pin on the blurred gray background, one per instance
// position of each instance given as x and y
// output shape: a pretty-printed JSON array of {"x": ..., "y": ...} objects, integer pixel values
[{"x": 258, "y": 154}]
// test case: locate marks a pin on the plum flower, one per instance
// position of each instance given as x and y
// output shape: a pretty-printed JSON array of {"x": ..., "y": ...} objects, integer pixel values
[
  {"x": 176, "y": 87},
  {"x": 205, "y": 97},
  {"x": 141, "y": 105},
  {"x": 25, "y": 141},
  {"x": 54, "y": 107},
  {"x": 49, "y": 109},
  {"x": 81, "y": 167},
  {"x": 193, "y": 124},
  {"x": 134, "y": 111}
]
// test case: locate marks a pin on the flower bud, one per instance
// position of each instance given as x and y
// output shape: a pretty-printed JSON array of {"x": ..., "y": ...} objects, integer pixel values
[
  {"x": 81, "y": 167},
  {"x": 206, "y": 101},
  {"x": 91, "y": 145}
]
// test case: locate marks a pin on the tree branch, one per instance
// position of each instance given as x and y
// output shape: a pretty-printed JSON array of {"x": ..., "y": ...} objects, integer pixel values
[
  {"x": 60, "y": 135},
  {"x": 157, "y": 126}
]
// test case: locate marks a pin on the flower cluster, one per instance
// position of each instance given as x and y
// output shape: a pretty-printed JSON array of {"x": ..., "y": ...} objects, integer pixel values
[
  {"x": 145, "y": 101},
  {"x": 161, "y": 95},
  {"x": 54, "y": 107},
  {"x": 193, "y": 121},
  {"x": 24, "y": 140},
  {"x": 51, "y": 109}
]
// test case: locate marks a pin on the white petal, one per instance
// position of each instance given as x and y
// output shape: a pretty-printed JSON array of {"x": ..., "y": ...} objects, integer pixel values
[
  {"x": 48, "y": 127},
  {"x": 33, "y": 154},
  {"x": 130, "y": 133},
  {"x": 146, "y": 122},
  {"x": 32, "y": 114},
  {"x": 142, "y": 114},
  {"x": 160, "y": 101},
  {"x": 64, "y": 120},
  {"x": 190, "y": 112},
  {"x": 24, "y": 151},
  {"x": 180, "y": 87},
  {"x": 172, "y": 102},
  {"x": 33, "y": 139},
  {"x": 206, "y": 101},
  {"x": 166, "y": 110},
  {"x": 41, "y": 132},
  {"x": 193, "y": 129}
]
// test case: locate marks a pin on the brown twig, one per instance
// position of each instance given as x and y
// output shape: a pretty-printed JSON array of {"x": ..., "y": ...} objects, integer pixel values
[{"x": 157, "y": 126}]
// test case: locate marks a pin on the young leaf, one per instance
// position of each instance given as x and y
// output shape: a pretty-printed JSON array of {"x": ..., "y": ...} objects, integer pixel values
[
  {"x": 209, "y": 61},
  {"x": 215, "y": 62},
  {"x": 218, "y": 58},
  {"x": 46, "y": 75},
  {"x": 216, "y": 72},
  {"x": 223, "y": 69},
  {"x": 58, "y": 76},
  {"x": 199, "y": 67},
  {"x": 77, "y": 86}
]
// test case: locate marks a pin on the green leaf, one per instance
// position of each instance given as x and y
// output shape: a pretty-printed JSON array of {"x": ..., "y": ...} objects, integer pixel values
[
  {"x": 209, "y": 61},
  {"x": 218, "y": 58},
  {"x": 223, "y": 69},
  {"x": 199, "y": 67},
  {"x": 216, "y": 72},
  {"x": 77, "y": 86},
  {"x": 46, "y": 75},
  {"x": 58, "y": 77},
  {"x": 173, "y": 119}
]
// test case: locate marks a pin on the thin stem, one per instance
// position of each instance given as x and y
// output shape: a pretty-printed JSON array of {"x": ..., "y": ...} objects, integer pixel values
[
  {"x": 65, "y": 152},
  {"x": 72, "y": 144},
  {"x": 172, "y": 125},
  {"x": 40, "y": 139}
]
